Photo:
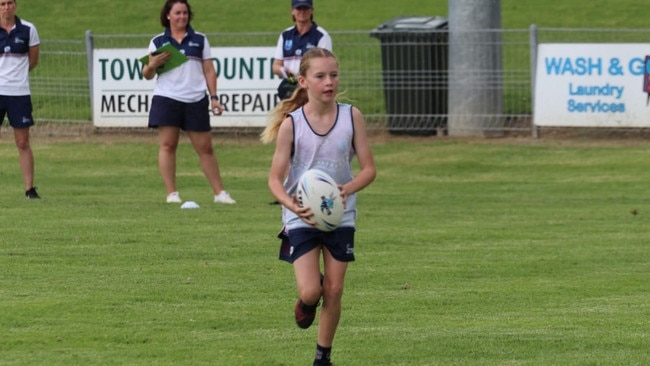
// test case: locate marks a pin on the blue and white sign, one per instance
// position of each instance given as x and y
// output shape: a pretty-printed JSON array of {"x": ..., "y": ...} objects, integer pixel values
[{"x": 591, "y": 85}]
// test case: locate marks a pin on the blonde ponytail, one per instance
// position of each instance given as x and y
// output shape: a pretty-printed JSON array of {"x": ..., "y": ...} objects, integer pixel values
[{"x": 280, "y": 112}]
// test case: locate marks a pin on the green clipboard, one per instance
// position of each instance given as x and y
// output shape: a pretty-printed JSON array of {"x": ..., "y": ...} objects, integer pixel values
[{"x": 176, "y": 60}]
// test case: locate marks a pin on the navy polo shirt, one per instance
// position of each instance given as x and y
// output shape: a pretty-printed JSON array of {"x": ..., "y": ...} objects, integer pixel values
[
  {"x": 191, "y": 45},
  {"x": 292, "y": 45}
]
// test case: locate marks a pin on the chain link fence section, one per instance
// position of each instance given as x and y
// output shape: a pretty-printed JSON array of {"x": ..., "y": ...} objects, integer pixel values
[{"x": 61, "y": 86}]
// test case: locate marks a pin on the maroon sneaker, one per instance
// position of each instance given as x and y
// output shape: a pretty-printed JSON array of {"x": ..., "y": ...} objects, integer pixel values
[{"x": 305, "y": 314}]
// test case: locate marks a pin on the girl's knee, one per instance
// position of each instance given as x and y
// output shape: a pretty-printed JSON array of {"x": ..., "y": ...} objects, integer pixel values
[
  {"x": 310, "y": 295},
  {"x": 333, "y": 292}
]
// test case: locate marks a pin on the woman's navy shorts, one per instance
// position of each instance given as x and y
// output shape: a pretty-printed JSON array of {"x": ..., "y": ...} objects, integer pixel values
[{"x": 187, "y": 116}]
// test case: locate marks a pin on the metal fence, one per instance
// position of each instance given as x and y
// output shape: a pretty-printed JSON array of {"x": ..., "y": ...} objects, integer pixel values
[
  {"x": 60, "y": 84},
  {"x": 375, "y": 73}
]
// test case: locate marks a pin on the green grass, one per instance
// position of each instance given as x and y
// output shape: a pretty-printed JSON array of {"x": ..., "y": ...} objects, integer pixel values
[
  {"x": 141, "y": 17},
  {"x": 468, "y": 253}
]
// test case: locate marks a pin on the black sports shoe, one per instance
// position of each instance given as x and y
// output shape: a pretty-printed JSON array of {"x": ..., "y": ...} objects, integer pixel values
[
  {"x": 31, "y": 194},
  {"x": 305, "y": 314},
  {"x": 323, "y": 363}
]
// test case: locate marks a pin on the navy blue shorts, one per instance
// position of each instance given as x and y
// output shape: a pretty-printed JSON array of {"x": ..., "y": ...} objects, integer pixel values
[
  {"x": 297, "y": 242},
  {"x": 18, "y": 109},
  {"x": 187, "y": 116}
]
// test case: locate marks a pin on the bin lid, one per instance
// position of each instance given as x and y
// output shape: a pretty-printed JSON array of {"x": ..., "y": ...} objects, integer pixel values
[{"x": 411, "y": 24}]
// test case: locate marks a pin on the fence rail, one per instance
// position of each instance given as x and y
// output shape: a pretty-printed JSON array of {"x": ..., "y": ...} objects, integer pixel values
[{"x": 382, "y": 77}]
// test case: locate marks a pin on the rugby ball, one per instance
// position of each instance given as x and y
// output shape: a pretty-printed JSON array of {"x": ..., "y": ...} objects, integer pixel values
[{"x": 318, "y": 191}]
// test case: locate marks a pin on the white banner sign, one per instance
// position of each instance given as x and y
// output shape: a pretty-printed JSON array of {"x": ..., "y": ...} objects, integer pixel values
[
  {"x": 592, "y": 85},
  {"x": 246, "y": 87}
]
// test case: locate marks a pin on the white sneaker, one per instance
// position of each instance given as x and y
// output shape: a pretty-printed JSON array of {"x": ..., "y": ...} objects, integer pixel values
[
  {"x": 224, "y": 197},
  {"x": 174, "y": 197}
]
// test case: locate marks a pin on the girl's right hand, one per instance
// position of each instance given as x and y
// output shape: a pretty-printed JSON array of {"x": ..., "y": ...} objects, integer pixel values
[{"x": 303, "y": 212}]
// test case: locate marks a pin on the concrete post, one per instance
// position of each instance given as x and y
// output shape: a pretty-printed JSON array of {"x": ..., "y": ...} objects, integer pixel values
[{"x": 475, "y": 82}]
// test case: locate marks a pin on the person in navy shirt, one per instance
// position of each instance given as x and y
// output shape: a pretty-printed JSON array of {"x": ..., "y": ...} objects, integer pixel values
[
  {"x": 180, "y": 101},
  {"x": 294, "y": 42},
  {"x": 19, "y": 51}
]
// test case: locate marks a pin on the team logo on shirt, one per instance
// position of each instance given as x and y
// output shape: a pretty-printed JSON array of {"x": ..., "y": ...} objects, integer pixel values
[
  {"x": 7, "y": 49},
  {"x": 288, "y": 44}
]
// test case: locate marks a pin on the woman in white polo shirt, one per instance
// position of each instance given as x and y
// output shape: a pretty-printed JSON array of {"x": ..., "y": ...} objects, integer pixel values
[{"x": 180, "y": 101}]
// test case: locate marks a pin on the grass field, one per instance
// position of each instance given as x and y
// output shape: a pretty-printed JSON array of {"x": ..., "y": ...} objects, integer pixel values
[
  {"x": 71, "y": 19},
  {"x": 503, "y": 252},
  {"x": 490, "y": 252}
]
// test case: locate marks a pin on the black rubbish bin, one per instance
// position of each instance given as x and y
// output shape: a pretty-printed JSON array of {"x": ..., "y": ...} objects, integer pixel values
[{"x": 414, "y": 58}]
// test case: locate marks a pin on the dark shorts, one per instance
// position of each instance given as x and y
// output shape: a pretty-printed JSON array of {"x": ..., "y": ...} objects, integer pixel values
[
  {"x": 187, "y": 116},
  {"x": 18, "y": 109},
  {"x": 297, "y": 242}
]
